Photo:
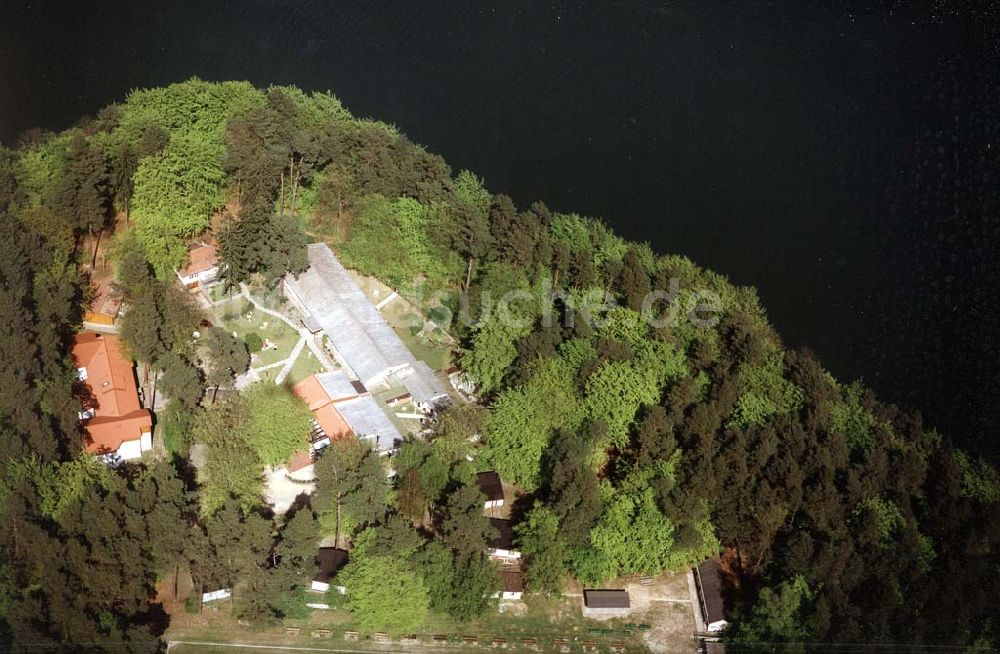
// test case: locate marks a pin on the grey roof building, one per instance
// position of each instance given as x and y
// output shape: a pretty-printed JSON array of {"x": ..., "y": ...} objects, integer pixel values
[
  {"x": 368, "y": 421},
  {"x": 338, "y": 385},
  {"x": 606, "y": 598},
  {"x": 365, "y": 415},
  {"x": 328, "y": 297}
]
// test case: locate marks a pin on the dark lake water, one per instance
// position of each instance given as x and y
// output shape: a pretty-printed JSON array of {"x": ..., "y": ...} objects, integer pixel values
[{"x": 840, "y": 156}]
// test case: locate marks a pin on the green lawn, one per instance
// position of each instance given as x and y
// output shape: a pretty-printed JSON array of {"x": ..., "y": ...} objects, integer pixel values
[
  {"x": 306, "y": 364},
  {"x": 546, "y": 620},
  {"x": 437, "y": 357},
  {"x": 172, "y": 439},
  {"x": 232, "y": 316},
  {"x": 430, "y": 349},
  {"x": 169, "y": 426}
]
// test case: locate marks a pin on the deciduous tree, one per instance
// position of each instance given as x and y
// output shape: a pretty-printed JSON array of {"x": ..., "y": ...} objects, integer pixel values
[
  {"x": 232, "y": 467},
  {"x": 176, "y": 191},
  {"x": 278, "y": 422},
  {"x": 383, "y": 593},
  {"x": 544, "y": 550}
]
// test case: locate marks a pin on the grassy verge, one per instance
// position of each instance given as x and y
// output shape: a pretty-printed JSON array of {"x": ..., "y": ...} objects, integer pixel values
[
  {"x": 306, "y": 364},
  {"x": 543, "y": 621},
  {"x": 436, "y": 356},
  {"x": 173, "y": 439}
]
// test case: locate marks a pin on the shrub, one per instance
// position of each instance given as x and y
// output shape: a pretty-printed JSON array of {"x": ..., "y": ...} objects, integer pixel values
[
  {"x": 293, "y": 604},
  {"x": 254, "y": 342},
  {"x": 440, "y": 314}
]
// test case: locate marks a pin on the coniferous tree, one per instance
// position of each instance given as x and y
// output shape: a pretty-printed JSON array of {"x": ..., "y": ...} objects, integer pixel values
[
  {"x": 143, "y": 329},
  {"x": 297, "y": 541},
  {"x": 634, "y": 280},
  {"x": 472, "y": 225},
  {"x": 351, "y": 484},
  {"x": 123, "y": 163},
  {"x": 582, "y": 269},
  {"x": 8, "y": 180},
  {"x": 238, "y": 544},
  {"x": 82, "y": 190},
  {"x": 154, "y": 138},
  {"x": 169, "y": 508},
  {"x": 396, "y": 536},
  {"x": 259, "y": 242},
  {"x": 560, "y": 262},
  {"x": 463, "y": 526},
  {"x": 181, "y": 380},
  {"x": 228, "y": 357},
  {"x": 502, "y": 214},
  {"x": 573, "y": 490}
]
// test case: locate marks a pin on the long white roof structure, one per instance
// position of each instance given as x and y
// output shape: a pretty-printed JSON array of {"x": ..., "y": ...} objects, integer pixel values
[
  {"x": 358, "y": 332},
  {"x": 338, "y": 385}
]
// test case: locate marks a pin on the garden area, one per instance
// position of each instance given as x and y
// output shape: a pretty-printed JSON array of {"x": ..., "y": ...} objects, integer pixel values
[
  {"x": 171, "y": 428},
  {"x": 240, "y": 316}
]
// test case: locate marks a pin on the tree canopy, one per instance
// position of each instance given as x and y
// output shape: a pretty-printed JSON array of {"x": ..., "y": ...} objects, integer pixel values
[
  {"x": 277, "y": 424},
  {"x": 383, "y": 593},
  {"x": 644, "y": 437}
]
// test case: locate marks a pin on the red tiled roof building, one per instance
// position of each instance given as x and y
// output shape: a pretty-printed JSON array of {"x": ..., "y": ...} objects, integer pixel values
[{"x": 113, "y": 420}]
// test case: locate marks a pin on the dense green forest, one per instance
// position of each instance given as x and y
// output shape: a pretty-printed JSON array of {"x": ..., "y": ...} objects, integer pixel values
[{"x": 642, "y": 445}]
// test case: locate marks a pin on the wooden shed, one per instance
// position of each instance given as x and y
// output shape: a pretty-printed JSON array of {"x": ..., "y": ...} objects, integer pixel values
[{"x": 606, "y": 602}]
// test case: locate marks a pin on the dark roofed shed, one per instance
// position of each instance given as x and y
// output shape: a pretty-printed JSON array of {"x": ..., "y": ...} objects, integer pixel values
[
  {"x": 709, "y": 579},
  {"x": 606, "y": 598},
  {"x": 328, "y": 561},
  {"x": 511, "y": 581},
  {"x": 504, "y": 539},
  {"x": 489, "y": 484}
]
